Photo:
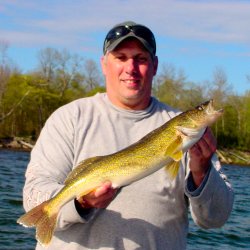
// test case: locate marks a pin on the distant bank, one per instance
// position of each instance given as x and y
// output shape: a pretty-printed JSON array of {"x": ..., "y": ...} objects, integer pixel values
[
  {"x": 226, "y": 156},
  {"x": 17, "y": 143},
  {"x": 234, "y": 156}
]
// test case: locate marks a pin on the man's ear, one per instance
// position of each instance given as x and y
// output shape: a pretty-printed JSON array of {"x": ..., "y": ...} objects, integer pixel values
[
  {"x": 155, "y": 64},
  {"x": 103, "y": 64}
]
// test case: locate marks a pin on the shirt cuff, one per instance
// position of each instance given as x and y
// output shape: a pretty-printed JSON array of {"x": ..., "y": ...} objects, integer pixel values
[
  {"x": 190, "y": 185},
  {"x": 85, "y": 213}
]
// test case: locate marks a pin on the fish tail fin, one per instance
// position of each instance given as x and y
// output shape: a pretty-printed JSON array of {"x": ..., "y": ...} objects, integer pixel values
[
  {"x": 172, "y": 169},
  {"x": 43, "y": 220}
]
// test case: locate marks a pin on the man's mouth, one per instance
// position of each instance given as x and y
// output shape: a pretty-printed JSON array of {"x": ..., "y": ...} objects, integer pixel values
[{"x": 131, "y": 83}]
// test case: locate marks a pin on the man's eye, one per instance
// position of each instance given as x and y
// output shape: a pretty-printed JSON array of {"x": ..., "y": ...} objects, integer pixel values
[
  {"x": 121, "y": 58},
  {"x": 142, "y": 59}
]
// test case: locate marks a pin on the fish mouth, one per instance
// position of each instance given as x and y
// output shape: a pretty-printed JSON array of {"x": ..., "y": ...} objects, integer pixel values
[{"x": 210, "y": 110}]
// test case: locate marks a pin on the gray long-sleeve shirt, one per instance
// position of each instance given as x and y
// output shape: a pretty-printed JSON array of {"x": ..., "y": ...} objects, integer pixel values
[{"x": 149, "y": 214}]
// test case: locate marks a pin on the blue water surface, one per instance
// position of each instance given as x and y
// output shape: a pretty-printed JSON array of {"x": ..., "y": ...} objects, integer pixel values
[{"x": 235, "y": 234}]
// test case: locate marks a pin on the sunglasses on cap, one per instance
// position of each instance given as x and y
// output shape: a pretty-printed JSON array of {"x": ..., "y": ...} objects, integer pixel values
[{"x": 144, "y": 34}]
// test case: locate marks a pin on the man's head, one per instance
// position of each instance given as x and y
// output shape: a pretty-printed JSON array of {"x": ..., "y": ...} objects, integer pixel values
[
  {"x": 129, "y": 29},
  {"x": 129, "y": 65}
]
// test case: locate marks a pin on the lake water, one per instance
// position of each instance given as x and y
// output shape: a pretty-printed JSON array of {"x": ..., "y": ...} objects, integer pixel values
[{"x": 235, "y": 234}]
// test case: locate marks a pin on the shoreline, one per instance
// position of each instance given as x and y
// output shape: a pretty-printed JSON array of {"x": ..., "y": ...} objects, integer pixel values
[
  {"x": 16, "y": 143},
  {"x": 233, "y": 156},
  {"x": 226, "y": 156}
]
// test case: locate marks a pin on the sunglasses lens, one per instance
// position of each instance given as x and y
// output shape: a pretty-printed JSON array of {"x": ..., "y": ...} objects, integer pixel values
[
  {"x": 144, "y": 33},
  {"x": 117, "y": 33},
  {"x": 138, "y": 30}
]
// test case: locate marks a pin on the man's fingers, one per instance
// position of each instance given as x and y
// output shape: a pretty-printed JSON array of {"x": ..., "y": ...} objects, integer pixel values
[
  {"x": 99, "y": 198},
  {"x": 103, "y": 189}
]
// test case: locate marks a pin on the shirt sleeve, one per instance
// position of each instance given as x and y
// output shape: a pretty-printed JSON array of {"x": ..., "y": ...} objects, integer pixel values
[
  {"x": 50, "y": 163},
  {"x": 211, "y": 203}
]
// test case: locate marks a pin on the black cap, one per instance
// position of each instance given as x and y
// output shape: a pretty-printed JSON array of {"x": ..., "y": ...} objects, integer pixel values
[{"x": 129, "y": 29}]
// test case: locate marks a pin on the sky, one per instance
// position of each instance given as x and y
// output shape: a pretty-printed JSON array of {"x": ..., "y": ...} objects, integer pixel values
[{"x": 195, "y": 36}]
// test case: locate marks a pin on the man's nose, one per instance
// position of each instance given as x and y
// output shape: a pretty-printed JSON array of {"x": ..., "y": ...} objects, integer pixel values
[{"x": 131, "y": 66}]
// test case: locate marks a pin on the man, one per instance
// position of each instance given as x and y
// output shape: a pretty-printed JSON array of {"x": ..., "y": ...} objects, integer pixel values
[{"x": 151, "y": 213}]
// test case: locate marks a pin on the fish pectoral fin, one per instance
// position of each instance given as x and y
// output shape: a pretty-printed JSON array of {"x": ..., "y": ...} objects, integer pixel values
[
  {"x": 172, "y": 169},
  {"x": 176, "y": 156},
  {"x": 173, "y": 150},
  {"x": 81, "y": 167}
]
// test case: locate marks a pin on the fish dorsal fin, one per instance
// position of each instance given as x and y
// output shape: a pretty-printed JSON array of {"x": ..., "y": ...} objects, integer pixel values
[
  {"x": 172, "y": 169},
  {"x": 174, "y": 148},
  {"x": 80, "y": 167}
]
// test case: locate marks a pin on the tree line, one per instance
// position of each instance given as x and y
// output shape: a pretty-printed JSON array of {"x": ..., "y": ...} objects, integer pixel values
[{"x": 27, "y": 99}]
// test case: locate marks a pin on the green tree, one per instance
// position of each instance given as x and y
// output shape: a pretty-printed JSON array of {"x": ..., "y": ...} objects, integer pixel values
[
  {"x": 169, "y": 85},
  {"x": 13, "y": 103}
]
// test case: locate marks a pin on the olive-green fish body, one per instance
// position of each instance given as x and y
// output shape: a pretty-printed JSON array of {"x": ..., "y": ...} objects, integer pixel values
[{"x": 163, "y": 147}]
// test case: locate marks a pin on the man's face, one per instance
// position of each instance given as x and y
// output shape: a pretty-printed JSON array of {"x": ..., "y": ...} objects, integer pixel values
[{"x": 129, "y": 71}]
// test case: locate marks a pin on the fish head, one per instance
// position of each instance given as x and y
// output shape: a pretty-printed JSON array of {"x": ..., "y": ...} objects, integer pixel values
[
  {"x": 194, "y": 122},
  {"x": 205, "y": 114},
  {"x": 200, "y": 117}
]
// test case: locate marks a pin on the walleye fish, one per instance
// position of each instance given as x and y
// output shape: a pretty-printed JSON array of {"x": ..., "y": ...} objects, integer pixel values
[{"x": 163, "y": 147}]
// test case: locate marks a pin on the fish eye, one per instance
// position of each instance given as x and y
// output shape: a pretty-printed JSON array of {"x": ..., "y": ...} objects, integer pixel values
[{"x": 200, "y": 108}]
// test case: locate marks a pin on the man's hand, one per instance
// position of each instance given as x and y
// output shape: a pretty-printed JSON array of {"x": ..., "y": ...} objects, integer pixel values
[
  {"x": 99, "y": 198},
  {"x": 200, "y": 156}
]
